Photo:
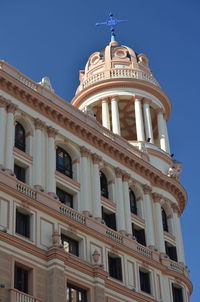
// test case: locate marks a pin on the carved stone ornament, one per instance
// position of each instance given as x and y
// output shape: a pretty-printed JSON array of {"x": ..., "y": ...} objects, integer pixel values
[
  {"x": 147, "y": 189},
  {"x": 174, "y": 171},
  {"x": 84, "y": 152},
  {"x": 39, "y": 124},
  {"x": 46, "y": 83},
  {"x": 56, "y": 238},
  {"x": 126, "y": 177},
  {"x": 96, "y": 255},
  {"x": 156, "y": 197},
  {"x": 12, "y": 108},
  {"x": 119, "y": 173},
  {"x": 89, "y": 111},
  {"x": 96, "y": 158},
  {"x": 3, "y": 102},
  {"x": 51, "y": 132}
]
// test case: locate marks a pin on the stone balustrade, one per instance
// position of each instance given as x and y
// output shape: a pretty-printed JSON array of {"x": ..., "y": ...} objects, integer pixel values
[
  {"x": 23, "y": 188},
  {"x": 17, "y": 296},
  {"x": 71, "y": 213},
  {"x": 114, "y": 235}
]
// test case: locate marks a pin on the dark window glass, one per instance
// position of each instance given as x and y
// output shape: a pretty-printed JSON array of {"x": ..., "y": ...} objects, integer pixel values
[
  {"x": 20, "y": 137},
  {"x": 177, "y": 294},
  {"x": 115, "y": 267},
  {"x": 133, "y": 202},
  {"x": 70, "y": 245},
  {"x": 104, "y": 185},
  {"x": 110, "y": 219},
  {"x": 63, "y": 162},
  {"x": 164, "y": 220},
  {"x": 171, "y": 251},
  {"x": 139, "y": 234},
  {"x": 21, "y": 279},
  {"x": 145, "y": 282},
  {"x": 76, "y": 294},
  {"x": 65, "y": 197},
  {"x": 22, "y": 224},
  {"x": 20, "y": 173}
]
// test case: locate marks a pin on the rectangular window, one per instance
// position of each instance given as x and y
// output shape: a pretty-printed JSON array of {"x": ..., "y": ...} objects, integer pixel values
[
  {"x": 70, "y": 245},
  {"x": 109, "y": 218},
  {"x": 145, "y": 281},
  {"x": 22, "y": 224},
  {"x": 76, "y": 294},
  {"x": 115, "y": 267},
  {"x": 139, "y": 234},
  {"x": 21, "y": 279},
  {"x": 177, "y": 293},
  {"x": 65, "y": 197},
  {"x": 20, "y": 173},
  {"x": 171, "y": 251}
]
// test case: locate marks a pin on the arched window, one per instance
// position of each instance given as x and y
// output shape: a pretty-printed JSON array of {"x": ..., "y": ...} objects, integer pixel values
[
  {"x": 164, "y": 220},
  {"x": 63, "y": 162},
  {"x": 104, "y": 185},
  {"x": 133, "y": 202},
  {"x": 20, "y": 137}
]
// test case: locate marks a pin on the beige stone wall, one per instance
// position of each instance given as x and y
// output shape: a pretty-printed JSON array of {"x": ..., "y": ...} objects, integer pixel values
[
  {"x": 99, "y": 294},
  {"x": 5, "y": 276},
  {"x": 56, "y": 286},
  {"x": 41, "y": 284}
]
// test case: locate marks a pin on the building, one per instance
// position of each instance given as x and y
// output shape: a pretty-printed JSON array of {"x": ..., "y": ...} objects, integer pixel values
[{"x": 90, "y": 197}]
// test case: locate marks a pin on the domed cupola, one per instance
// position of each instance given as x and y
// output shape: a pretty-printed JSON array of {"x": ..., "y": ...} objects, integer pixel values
[{"x": 118, "y": 86}]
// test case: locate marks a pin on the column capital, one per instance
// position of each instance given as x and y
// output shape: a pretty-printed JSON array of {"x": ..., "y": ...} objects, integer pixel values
[
  {"x": 126, "y": 177},
  {"x": 84, "y": 151},
  {"x": 119, "y": 173},
  {"x": 105, "y": 100},
  {"x": 147, "y": 101},
  {"x": 114, "y": 97},
  {"x": 3, "y": 102},
  {"x": 147, "y": 189},
  {"x": 39, "y": 124},
  {"x": 156, "y": 197},
  {"x": 11, "y": 108},
  {"x": 138, "y": 97},
  {"x": 96, "y": 158},
  {"x": 159, "y": 110},
  {"x": 175, "y": 209},
  {"x": 52, "y": 132}
]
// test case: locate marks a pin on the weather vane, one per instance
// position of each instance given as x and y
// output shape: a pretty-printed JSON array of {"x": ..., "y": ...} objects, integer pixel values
[{"x": 111, "y": 22}]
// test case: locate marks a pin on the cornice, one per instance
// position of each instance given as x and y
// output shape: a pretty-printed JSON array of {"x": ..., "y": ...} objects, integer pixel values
[
  {"x": 124, "y": 83},
  {"x": 65, "y": 116}
]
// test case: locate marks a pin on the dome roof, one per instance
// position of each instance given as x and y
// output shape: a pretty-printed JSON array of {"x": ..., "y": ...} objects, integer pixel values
[{"x": 115, "y": 61}]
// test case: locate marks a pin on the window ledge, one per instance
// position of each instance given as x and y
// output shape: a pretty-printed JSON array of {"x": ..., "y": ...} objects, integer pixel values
[
  {"x": 67, "y": 180},
  {"x": 108, "y": 202},
  {"x": 138, "y": 219},
  {"x": 22, "y": 155}
]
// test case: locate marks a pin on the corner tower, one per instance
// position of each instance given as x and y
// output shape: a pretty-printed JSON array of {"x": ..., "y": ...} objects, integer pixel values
[{"x": 118, "y": 85}]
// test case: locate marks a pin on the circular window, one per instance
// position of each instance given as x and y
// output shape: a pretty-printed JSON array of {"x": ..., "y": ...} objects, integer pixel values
[
  {"x": 120, "y": 53},
  {"x": 95, "y": 59}
]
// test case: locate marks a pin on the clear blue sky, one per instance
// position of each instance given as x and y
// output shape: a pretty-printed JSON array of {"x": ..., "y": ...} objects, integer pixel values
[{"x": 55, "y": 38}]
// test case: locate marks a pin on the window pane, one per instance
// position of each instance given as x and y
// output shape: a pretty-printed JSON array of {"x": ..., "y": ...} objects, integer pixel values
[
  {"x": 177, "y": 294},
  {"x": 104, "y": 185},
  {"x": 65, "y": 197},
  {"x": 22, "y": 224},
  {"x": 76, "y": 294},
  {"x": 20, "y": 173},
  {"x": 21, "y": 279},
  {"x": 133, "y": 202},
  {"x": 145, "y": 282},
  {"x": 20, "y": 137},
  {"x": 70, "y": 245},
  {"x": 63, "y": 162}
]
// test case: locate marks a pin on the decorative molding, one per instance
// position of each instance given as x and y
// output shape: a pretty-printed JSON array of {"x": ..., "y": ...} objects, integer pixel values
[
  {"x": 3, "y": 102},
  {"x": 119, "y": 173},
  {"x": 96, "y": 159},
  {"x": 156, "y": 197},
  {"x": 126, "y": 177},
  {"x": 11, "y": 108}
]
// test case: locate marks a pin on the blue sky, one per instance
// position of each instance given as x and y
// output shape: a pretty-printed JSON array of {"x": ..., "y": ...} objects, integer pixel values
[{"x": 55, "y": 38}]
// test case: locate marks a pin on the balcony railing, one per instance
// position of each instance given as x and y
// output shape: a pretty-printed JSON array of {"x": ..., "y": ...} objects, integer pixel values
[
  {"x": 17, "y": 296},
  {"x": 71, "y": 213},
  {"x": 144, "y": 251},
  {"x": 119, "y": 73},
  {"x": 114, "y": 235},
  {"x": 23, "y": 188}
]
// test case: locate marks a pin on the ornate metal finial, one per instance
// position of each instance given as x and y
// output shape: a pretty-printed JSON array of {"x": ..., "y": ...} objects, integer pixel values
[{"x": 111, "y": 22}]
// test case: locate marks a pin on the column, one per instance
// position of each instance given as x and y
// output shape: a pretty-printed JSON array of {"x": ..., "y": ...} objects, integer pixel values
[
  {"x": 105, "y": 113},
  {"x": 37, "y": 160},
  {"x": 51, "y": 164},
  {"x": 147, "y": 120},
  {"x": 120, "y": 201},
  {"x": 139, "y": 119},
  {"x": 160, "y": 244},
  {"x": 3, "y": 113},
  {"x": 96, "y": 159},
  {"x": 115, "y": 115},
  {"x": 85, "y": 181},
  {"x": 127, "y": 211},
  {"x": 166, "y": 135},
  {"x": 178, "y": 234},
  {"x": 10, "y": 136},
  {"x": 161, "y": 130},
  {"x": 149, "y": 227}
]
